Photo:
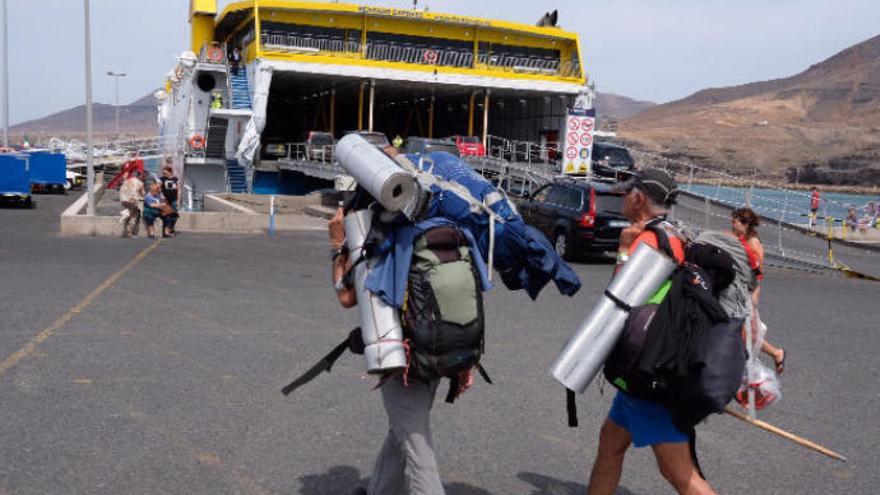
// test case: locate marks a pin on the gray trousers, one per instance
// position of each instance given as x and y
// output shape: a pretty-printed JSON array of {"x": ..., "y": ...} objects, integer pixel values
[{"x": 407, "y": 463}]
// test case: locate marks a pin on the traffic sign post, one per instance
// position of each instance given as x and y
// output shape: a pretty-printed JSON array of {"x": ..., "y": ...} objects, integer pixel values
[{"x": 580, "y": 125}]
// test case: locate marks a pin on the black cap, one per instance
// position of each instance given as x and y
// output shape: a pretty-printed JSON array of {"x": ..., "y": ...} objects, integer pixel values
[{"x": 655, "y": 183}]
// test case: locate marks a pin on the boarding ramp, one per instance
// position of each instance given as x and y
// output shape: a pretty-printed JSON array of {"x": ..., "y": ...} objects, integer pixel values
[
  {"x": 206, "y": 176},
  {"x": 312, "y": 161}
]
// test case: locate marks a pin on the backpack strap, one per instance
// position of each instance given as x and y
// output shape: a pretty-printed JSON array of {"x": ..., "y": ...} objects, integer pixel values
[
  {"x": 353, "y": 342},
  {"x": 655, "y": 226},
  {"x": 454, "y": 382},
  {"x": 571, "y": 407}
]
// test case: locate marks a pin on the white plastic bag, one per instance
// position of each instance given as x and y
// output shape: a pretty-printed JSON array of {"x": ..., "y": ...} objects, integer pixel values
[{"x": 764, "y": 382}]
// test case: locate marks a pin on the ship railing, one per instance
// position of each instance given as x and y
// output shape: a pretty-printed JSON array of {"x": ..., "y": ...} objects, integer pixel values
[
  {"x": 304, "y": 152},
  {"x": 418, "y": 54},
  {"x": 307, "y": 43},
  {"x": 411, "y": 53},
  {"x": 543, "y": 155}
]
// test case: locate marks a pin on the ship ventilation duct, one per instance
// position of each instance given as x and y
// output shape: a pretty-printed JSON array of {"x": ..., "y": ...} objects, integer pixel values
[{"x": 250, "y": 141}]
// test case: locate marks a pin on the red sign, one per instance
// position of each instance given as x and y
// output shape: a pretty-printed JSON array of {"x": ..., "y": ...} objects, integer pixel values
[
  {"x": 572, "y": 138},
  {"x": 586, "y": 139},
  {"x": 573, "y": 124},
  {"x": 587, "y": 125},
  {"x": 571, "y": 152}
]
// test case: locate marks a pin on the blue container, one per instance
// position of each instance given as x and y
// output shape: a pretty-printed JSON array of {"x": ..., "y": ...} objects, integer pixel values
[
  {"x": 14, "y": 176},
  {"x": 48, "y": 169}
]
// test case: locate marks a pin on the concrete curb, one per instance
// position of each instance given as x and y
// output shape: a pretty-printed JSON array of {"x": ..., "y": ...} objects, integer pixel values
[
  {"x": 320, "y": 211},
  {"x": 216, "y": 203}
]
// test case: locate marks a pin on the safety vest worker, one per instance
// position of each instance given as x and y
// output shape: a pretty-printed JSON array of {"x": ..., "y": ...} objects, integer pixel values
[
  {"x": 397, "y": 141},
  {"x": 216, "y": 100}
]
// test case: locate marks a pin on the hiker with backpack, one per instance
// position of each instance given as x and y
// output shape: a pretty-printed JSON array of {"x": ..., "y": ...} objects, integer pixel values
[
  {"x": 415, "y": 261},
  {"x": 407, "y": 458},
  {"x": 632, "y": 421},
  {"x": 744, "y": 226}
]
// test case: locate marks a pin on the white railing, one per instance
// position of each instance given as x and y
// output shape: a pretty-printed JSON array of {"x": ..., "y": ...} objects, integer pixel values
[
  {"x": 411, "y": 53},
  {"x": 307, "y": 43}
]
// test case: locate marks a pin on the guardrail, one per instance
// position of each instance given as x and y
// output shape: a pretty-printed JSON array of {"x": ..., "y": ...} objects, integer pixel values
[{"x": 412, "y": 53}]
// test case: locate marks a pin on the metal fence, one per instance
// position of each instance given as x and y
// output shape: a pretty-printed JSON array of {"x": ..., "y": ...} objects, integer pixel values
[{"x": 413, "y": 53}]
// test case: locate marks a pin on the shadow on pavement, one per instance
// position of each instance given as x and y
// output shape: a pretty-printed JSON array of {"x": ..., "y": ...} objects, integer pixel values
[
  {"x": 545, "y": 485},
  {"x": 343, "y": 480}
]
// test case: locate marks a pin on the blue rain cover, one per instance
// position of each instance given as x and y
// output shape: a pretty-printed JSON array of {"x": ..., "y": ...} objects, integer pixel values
[{"x": 523, "y": 255}]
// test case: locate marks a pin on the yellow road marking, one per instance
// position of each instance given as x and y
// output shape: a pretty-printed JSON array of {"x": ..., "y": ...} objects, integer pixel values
[
  {"x": 56, "y": 325},
  {"x": 82, "y": 381}
]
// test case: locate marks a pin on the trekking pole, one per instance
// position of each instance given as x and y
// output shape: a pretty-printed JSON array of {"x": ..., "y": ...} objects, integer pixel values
[{"x": 784, "y": 434}]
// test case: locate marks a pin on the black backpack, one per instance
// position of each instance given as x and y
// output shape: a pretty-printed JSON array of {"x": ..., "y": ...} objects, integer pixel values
[
  {"x": 442, "y": 315},
  {"x": 684, "y": 353}
]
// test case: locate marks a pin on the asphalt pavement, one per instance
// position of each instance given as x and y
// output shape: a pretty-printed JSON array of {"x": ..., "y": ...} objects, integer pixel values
[{"x": 159, "y": 373}]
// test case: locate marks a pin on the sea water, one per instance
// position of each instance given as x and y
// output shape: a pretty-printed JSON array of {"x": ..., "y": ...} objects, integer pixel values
[{"x": 776, "y": 203}]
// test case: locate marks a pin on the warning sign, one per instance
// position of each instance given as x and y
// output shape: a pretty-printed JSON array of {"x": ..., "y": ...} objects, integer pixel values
[
  {"x": 580, "y": 125},
  {"x": 587, "y": 139}
]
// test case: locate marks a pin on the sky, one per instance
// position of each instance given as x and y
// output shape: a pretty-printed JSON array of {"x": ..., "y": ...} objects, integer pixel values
[{"x": 656, "y": 50}]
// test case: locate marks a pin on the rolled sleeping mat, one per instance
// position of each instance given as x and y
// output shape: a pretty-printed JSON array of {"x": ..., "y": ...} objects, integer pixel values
[
  {"x": 380, "y": 323},
  {"x": 585, "y": 353},
  {"x": 393, "y": 187}
]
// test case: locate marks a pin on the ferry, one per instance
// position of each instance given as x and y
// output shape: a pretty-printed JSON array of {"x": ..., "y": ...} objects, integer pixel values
[{"x": 312, "y": 70}]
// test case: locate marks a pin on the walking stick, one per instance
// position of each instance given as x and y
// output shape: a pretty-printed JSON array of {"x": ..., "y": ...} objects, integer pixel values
[{"x": 779, "y": 431}]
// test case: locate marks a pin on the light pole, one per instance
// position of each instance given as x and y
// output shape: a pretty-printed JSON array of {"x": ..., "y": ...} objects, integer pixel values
[
  {"x": 117, "y": 75},
  {"x": 90, "y": 167},
  {"x": 5, "y": 78}
]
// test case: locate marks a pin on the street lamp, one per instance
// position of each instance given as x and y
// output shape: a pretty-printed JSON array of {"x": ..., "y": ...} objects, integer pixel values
[
  {"x": 5, "y": 78},
  {"x": 90, "y": 167},
  {"x": 117, "y": 75}
]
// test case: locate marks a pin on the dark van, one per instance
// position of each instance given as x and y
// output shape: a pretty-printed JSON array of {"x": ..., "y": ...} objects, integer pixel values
[{"x": 577, "y": 216}]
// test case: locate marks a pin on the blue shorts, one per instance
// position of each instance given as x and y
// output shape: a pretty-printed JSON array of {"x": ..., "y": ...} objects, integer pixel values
[{"x": 648, "y": 423}]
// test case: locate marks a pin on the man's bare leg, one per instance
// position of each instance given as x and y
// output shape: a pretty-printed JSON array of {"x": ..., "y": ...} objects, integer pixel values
[
  {"x": 674, "y": 460},
  {"x": 613, "y": 443}
]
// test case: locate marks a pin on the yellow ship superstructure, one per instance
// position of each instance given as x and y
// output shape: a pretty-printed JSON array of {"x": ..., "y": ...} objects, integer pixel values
[{"x": 310, "y": 67}]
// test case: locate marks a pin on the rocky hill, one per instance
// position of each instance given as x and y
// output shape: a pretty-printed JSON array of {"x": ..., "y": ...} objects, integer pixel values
[
  {"x": 138, "y": 118},
  {"x": 615, "y": 107},
  {"x": 824, "y": 121}
]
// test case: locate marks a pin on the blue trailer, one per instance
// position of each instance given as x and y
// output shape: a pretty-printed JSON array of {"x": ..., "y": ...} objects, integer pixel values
[
  {"x": 15, "y": 183},
  {"x": 48, "y": 171}
]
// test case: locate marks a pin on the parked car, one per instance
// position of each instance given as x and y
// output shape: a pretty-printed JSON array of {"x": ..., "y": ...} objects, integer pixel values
[
  {"x": 74, "y": 180},
  {"x": 577, "y": 216},
  {"x": 376, "y": 138},
  {"x": 319, "y": 146},
  {"x": 427, "y": 145},
  {"x": 469, "y": 145},
  {"x": 612, "y": 160},
  {"x": 274, "y": 151}
]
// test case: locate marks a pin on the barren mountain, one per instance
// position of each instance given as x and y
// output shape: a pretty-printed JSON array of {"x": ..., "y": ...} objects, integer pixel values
[
  {"x": 137, "y": 118},
  {"x": 825, "y": 121},
  {"x": 612, "y": 106}
]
